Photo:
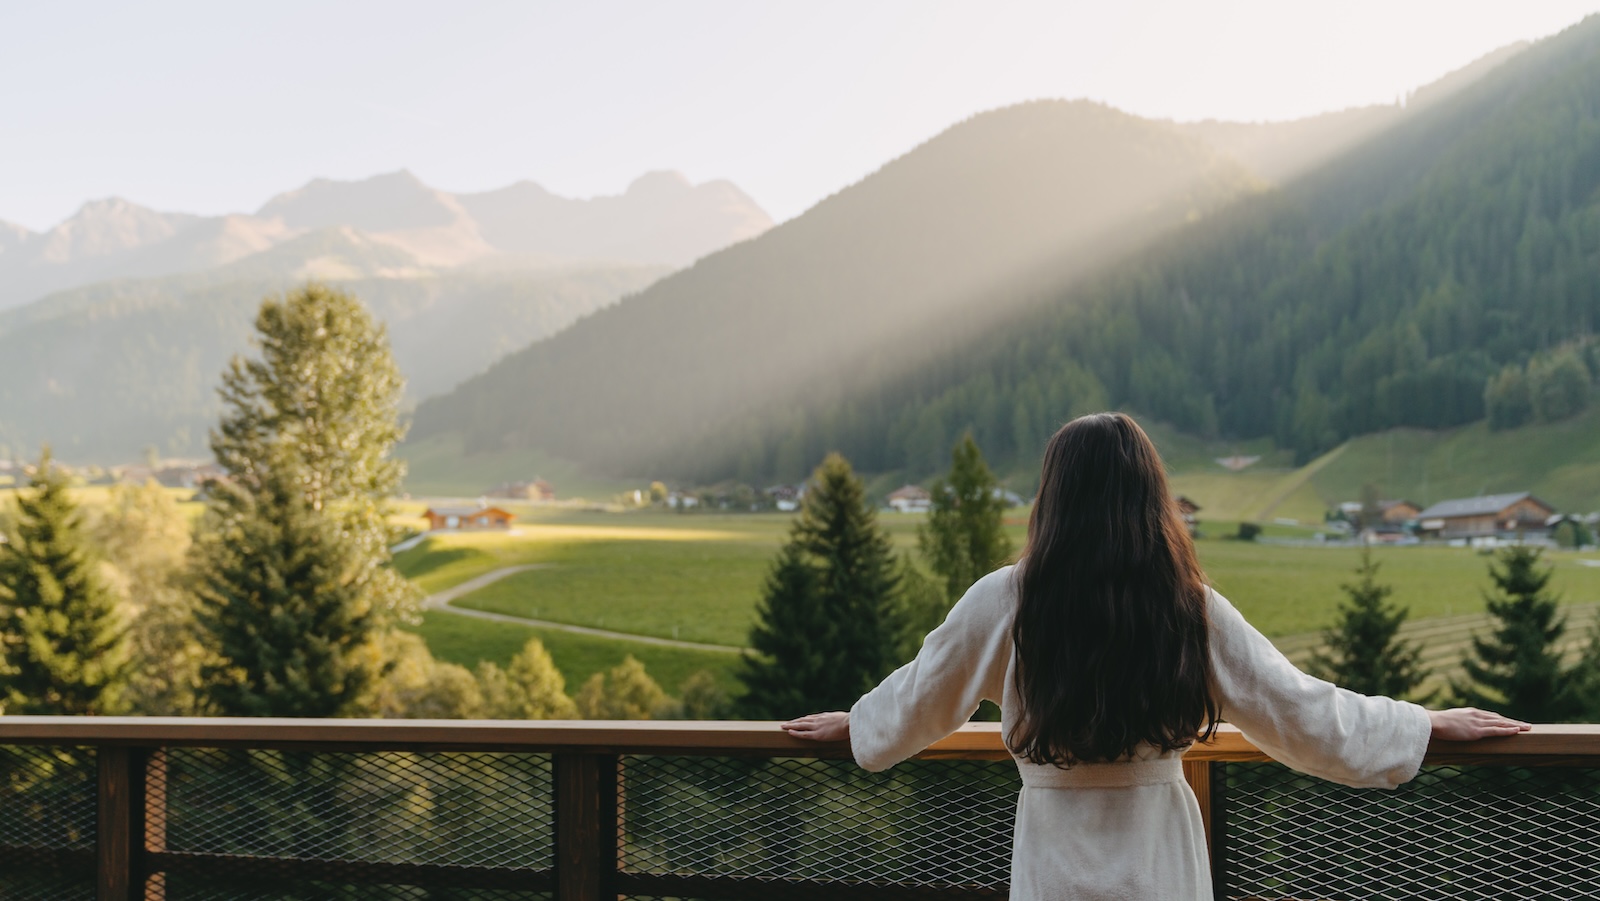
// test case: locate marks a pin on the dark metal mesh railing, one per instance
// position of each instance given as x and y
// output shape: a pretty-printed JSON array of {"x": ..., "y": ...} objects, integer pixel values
[
  {"x": 1451, "y": 833},
  {"x": 489, "y": 810},
  {"x": 47, "y": 822},
  {"x": 925, "y": 823},
  {"x": 228, "y": 810}
]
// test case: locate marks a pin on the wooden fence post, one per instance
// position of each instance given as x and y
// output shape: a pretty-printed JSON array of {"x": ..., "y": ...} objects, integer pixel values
[
  {"x": 586, "y": 826},
  {"x": 119, "y": 819}
]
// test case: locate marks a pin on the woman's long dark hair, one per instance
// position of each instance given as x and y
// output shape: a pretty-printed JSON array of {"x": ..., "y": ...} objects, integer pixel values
[{"x": 1111, "y": 627}]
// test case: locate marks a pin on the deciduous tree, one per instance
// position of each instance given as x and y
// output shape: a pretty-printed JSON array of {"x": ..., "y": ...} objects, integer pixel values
[
  {"x": 624, "y": 692},
  {"x": 529, "y": 688}
]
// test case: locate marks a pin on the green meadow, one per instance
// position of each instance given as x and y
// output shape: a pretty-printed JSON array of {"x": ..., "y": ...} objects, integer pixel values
[{"x": 697, "y": 577}]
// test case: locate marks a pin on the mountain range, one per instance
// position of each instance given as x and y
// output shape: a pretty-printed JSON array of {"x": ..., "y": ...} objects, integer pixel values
[
  {"x": 1030, "y": 263},
  {"x": 145, "y": 308},
  {"x": 390, "y": 224}
]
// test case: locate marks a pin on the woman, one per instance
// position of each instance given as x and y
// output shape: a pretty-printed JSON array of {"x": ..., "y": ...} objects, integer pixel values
[{"x": 1109, "y": 655}]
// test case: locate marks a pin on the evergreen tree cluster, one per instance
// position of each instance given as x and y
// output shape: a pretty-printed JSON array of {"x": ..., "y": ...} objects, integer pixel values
[
  {"x": 286, "y": 602},
  {"x": 1549, "y": 388}
]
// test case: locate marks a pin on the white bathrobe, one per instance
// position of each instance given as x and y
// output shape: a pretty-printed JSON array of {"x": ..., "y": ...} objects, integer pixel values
[{"x": 1129, "y": 829}]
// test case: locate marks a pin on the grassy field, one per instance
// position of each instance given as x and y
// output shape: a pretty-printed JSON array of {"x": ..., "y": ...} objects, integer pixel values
[
  {"x": 439, "y": 466},
  {"x": 698, "y": 577},
  {"x": 459, "y": 639},
  {"x": 1560, "y": 462}
]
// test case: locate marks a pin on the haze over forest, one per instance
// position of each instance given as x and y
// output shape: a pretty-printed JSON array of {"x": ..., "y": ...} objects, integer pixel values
[{"x": 1298, "y": 283}]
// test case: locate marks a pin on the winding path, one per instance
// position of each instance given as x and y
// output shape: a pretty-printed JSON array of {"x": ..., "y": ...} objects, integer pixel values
[{"x": 444, "y": 600}]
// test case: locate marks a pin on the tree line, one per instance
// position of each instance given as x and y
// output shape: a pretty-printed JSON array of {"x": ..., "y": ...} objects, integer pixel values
[{"x": 282, "y": 600}]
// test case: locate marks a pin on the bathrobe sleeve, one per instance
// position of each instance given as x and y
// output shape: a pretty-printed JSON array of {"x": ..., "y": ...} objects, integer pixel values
[
  {"x": 1306, "y": 723},
  {"x": 961, "y": 663}
]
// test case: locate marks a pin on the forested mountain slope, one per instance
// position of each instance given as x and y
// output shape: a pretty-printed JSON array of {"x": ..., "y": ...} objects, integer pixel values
[
  {"x": 106, "y": 370},
  {"x": 1381, "y": 290},
  {"x": 935, "y": 246}
]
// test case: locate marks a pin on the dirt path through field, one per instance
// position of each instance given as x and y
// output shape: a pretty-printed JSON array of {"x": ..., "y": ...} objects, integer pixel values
[{"x": 444, "y": 601}]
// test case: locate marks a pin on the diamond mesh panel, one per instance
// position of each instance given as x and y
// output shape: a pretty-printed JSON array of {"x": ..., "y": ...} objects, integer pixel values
[
  {"x": 47, "y": 807},
  {"x": 47, "y": 797},
  {"x": 466, "y": 809},
  {"x": 924, "y": 823},
  {"x": 1451, "y": 833},
  {"x": 183, "y": 889}
]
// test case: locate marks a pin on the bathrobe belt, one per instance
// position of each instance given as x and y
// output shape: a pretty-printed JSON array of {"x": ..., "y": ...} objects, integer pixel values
[{"x": 1103, "y": 775}]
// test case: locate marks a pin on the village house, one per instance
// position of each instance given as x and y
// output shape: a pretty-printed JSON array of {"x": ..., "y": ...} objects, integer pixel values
[
  {"x": 1188, "y": 508},
  {"x": 467, "y": 518},
  {"x": 786, "y": 498},
  {"x": 1397, "y": 512},
  {"x": 1490, "y": 516},
  {"x": 910, "y": 499}
]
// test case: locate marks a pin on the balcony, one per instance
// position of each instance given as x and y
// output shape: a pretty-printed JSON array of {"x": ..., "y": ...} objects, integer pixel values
[{"x": 214, "y": 809}]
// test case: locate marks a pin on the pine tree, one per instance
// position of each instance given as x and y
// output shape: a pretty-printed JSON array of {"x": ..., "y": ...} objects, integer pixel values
[
  {"x": 788, "y": 639},
  {"x": 287, "y": 601},
  {"x": 831, "y": 624},
  {"x": 297, "y": 595},
  {"x": 63, "y": 648},
  {"x": 1363, "y": 651},
  {"x": 963, "y": 539},
  {"x": 1517, "y": 670}
]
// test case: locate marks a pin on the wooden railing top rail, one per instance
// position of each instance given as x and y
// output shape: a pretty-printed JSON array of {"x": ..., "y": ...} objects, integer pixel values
[{"x": 1577, "y": 744}]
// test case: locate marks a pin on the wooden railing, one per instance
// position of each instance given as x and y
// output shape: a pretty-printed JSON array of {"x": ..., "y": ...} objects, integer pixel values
[{"x": 131, "y": 856}]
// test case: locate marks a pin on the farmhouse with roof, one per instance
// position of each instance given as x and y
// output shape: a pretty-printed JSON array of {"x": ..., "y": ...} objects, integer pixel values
[
  {"x": 1502, "y": 515},
  {"x": 467, "y": 518},
  {"x": 910, "y": 499}
]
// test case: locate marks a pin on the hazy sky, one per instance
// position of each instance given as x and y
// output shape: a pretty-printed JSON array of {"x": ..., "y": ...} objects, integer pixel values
[{"x": 213, "y": 107}]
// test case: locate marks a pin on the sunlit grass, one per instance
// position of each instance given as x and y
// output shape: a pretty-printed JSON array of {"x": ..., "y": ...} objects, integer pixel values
[{"x": 459, "y": 639}]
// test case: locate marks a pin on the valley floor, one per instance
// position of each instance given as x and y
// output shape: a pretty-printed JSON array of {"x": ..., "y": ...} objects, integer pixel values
[{"x": 679, "y": 591}]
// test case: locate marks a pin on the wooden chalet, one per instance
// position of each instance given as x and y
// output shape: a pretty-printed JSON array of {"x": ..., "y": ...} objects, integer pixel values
[
  {"x": 1493, "y": 515},
  {"x": 467, "y": 518},
  {"x": 1397, "y": 512}
]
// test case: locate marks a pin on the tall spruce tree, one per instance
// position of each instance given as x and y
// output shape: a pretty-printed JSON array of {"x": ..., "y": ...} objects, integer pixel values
[
  {"x": 1363, "y": 651},
  {"x": 288, "y": 603},
  {"x": 963, "y": 539},
  {"x": 830, "y": 623},
  {"x": 1517, "y": 669},
  {"x": 297, "y": 592},
  {"x": 321, "y": 404},
  {"x": 63, "y": 647}
]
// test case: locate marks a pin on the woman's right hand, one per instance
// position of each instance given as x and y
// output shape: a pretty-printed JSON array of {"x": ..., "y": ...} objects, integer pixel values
[{"x": 1471, "y": 724}]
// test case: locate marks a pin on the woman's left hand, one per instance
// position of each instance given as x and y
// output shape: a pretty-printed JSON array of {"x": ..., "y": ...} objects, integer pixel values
[{"x": 833, "y": 726}]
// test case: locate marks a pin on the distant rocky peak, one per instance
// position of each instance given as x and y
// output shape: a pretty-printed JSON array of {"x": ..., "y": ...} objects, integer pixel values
[
  {"x": 660, "y": 183},
  {"x": 387, "y": 202},
  {"x": 109, "y": 225}
]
